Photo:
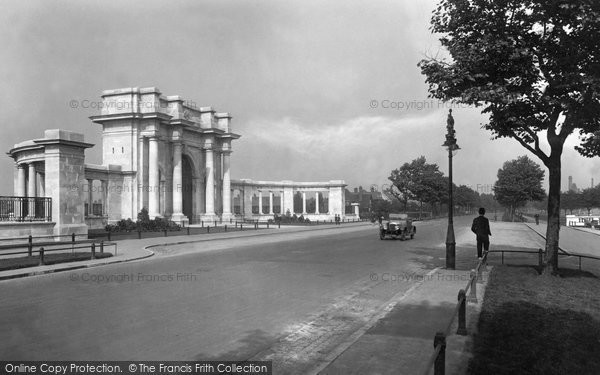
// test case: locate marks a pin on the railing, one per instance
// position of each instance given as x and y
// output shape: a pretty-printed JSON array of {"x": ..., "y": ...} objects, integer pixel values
[
  {"x": 68, "y": 245},
  {"x": 437, "y": 358},
  {"x": 28, "y": 242},
  {"x": 23, "y": 209}
]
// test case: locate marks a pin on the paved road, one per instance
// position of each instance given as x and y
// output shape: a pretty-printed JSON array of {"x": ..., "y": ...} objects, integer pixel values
[{"x": 236, "y": 299}]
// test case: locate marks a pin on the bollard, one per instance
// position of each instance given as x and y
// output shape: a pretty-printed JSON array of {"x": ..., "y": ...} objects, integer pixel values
[
  {"x": 439, "y": 365},
  {"x": 208, "y": 229},
  {"x": 267, "y": 225},
  {"x": 41, "y": 256},
  {"x": 462, "y": 311},
  {"x": 102, "y": 247},
  {"x": 139, "y": 234},
  {"x": 202, "y": 223},
  {"x": 73, "y": 237},
  {"x": 165, "y": 232},
  {"x": 473, "y": 292},
  {"x": 225, "y": 227},
  {"x": 73, "y": 243},
  {"x": 241, "y": 229},
  {"x": 188, "y": 230},
  {"x": 93, "y": 250},
  {"x": 279, "y": 225},
  {"x": 30, "y": 246},
  {"x": 215, "y": 223}
]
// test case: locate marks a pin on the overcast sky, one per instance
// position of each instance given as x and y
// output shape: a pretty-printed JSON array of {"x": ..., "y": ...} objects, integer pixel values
[{"x": 310, "y": 84}]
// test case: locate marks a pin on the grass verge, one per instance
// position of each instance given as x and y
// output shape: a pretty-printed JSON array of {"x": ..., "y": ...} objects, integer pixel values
[
  {"x": 34, "y": 261},
  {"x": 531, "y": 324}
]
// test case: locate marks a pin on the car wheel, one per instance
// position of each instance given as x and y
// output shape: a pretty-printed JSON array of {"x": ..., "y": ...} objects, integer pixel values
[{"x": 381, "y": 235}]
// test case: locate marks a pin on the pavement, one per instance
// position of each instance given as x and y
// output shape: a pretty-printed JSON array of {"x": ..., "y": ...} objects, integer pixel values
[{"x": 398, "y": 339}]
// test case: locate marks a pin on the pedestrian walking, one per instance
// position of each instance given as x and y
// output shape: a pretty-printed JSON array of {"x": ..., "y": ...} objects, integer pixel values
[{"x": 481, "y": 228}]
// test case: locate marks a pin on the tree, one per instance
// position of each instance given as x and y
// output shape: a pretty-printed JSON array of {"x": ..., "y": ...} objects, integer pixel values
[
  {"x": 590, "y": 198},
  {"x": 534, "y": 66},
  {"x": 417, "y": 180},
  {"x": 519, "y": 181},
  {"x": 570, "y": 200},
  {"x": 465, "y": 197}
]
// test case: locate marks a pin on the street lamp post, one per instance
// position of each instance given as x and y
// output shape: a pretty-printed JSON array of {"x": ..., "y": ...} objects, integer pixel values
[{"x": 453, "y": 148}]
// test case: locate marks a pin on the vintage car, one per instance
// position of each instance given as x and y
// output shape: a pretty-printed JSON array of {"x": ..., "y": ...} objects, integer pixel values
[{"x": 398, "y": 226}]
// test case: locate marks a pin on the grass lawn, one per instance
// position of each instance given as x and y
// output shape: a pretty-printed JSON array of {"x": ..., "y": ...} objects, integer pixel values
[
  {"x": 531, "y": 324},
  {"x": 49, "y": 258}
]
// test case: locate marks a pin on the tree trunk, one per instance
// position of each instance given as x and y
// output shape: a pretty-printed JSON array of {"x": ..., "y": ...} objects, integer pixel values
[{"x": 553, "y": 227}]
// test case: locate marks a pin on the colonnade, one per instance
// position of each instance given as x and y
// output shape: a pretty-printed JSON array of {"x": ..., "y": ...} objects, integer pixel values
[{"x": 28, "y": 178}]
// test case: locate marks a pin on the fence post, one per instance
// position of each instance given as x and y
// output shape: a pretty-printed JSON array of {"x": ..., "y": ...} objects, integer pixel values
[
  {"x": 208, "y": 229},
  {"x": 225, "y": 227},
  {"x": 188, "y": 230},
  {"x": 439, "y": 365},
  {"x": 41, "y": 256},
  {"x": 267, "y": 225},
  {"x": 165, "y": 232},
  {"x": 541, "y": 258},
  {"x": 473, "y": 292},
  {"x": 109, "y": 235},
  {"x": 93, "y": 250},
  {"x": 73, "y": 242},
  {"x": 202, "y": 223},
  {"x": 462, "y": 312},
  {"x": 30, "y": 246},
  {"x": 139, "y": 234},
  {"x": 102, "y": 247},
  {"x": 279, "y": 225}
]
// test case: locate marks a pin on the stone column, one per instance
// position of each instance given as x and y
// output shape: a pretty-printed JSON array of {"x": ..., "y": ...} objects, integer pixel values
[
  {"x": 105, "y": 197},
  {"x": 142, "y": 176},
  {"x": 177, "y": 183},
  {"x": 260, "y": 211},
  {"x": 210, "y": 182},
  {"x": 20, "y": 191},
  {"x": 41, "y": 191},
  {"x": 317, "y": 202},
  {"x": 153, "y": 178},
  {"x": 89, "y": 197},
  {"x": 31, "y": 192},
  {"x": 303, "y": 203},
  {"x": 227, "y": 196},
  {"x": 270, "y": 203},
  {"x": 21, "y": 186}
]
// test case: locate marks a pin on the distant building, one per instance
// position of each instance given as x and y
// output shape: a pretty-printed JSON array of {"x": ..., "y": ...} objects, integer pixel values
[
  {"x": 364, "y": 198},
  {"x": 572, "y": 186}
]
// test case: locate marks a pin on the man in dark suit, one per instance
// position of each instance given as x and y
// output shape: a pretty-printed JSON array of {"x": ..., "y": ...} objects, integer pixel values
[{"x": 481, "y": 227}]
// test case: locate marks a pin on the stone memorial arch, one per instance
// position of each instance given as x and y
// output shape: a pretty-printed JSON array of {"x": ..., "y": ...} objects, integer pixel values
[{"x": 175, "y": 156}]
